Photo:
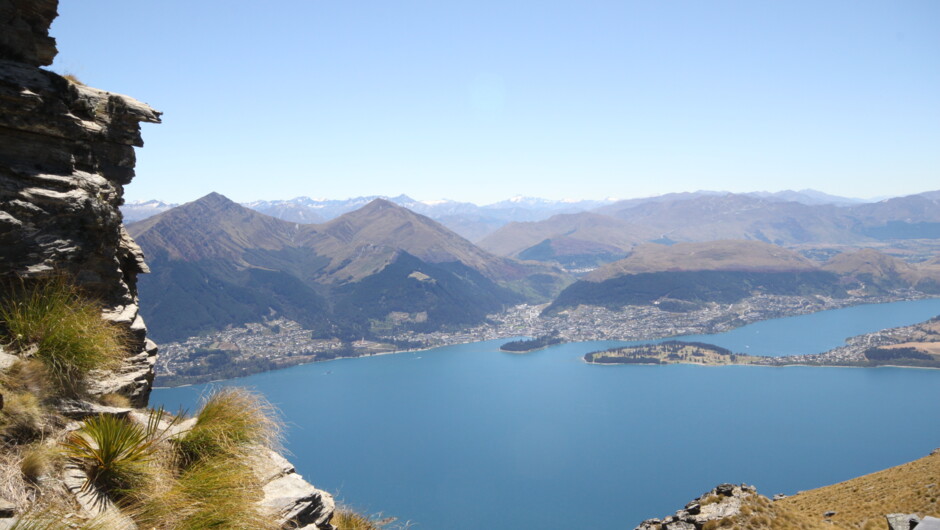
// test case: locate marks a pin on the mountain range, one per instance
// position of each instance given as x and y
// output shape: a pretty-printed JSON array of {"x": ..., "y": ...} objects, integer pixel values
[
  {"x": 383, "y": 267},
  {"x": 218, "y": 263},
  {"x": 467, "y": 219}
]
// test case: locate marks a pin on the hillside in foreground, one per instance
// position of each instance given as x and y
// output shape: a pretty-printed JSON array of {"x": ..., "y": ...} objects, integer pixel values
[{"x": 859, "y": 503}]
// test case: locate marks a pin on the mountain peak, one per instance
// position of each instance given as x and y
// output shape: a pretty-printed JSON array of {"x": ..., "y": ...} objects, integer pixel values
[{"x": 214, "y": 198}]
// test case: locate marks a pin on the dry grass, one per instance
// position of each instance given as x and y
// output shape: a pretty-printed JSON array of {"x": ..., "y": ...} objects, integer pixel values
[
  {"x": 346, "y": 518},
  {"x": 860, "y": 503},
  {"x": 909, "y": 488},
  {"x": 71, "y": 78},
  {"x": 22, "y": 418},
  {"x": 115, "y": 400},
  {"x": 39, "y": 460},
  {"x": 50, "y": 498},
  {"x": 26, "y": 375}
]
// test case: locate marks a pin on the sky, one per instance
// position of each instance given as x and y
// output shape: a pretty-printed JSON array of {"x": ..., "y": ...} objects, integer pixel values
[{"x": 481, "y": 100}]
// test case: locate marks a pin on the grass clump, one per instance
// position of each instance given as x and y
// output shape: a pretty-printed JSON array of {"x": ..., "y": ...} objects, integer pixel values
[
  {"x": 346, "y": 518},
  {"x": 230, "y": 421},
  {"x": 38, "y": 461},
  {"x": 115, "y": 400},
  {"x": 64, "y": 327},
  {"x": 213, "y": 483},
  {"x": 22, "y": 418},
  {"x": 114, "y": 452},
  {"x": 72, "y": 78},
  {"x": 215, "y": 493}
]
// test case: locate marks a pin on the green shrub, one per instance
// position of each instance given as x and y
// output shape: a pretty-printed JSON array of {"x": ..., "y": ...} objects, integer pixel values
[{"x": 66, "y": 328}]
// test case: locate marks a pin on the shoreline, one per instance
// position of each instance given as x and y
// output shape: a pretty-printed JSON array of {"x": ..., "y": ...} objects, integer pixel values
[
  {"x": 752, "y": 365},
  {"x": 650, "y": 337}
]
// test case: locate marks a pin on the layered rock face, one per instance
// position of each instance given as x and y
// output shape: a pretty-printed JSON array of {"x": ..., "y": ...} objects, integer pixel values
[{"x": 66, "y": 153}]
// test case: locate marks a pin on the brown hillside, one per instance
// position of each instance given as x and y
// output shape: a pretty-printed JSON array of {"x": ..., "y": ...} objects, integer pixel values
[
  {"x": 863, "y": 502},
  {"x": 729, "y": 255},
  {"x": 576, "y": 231},
  {"x": 212, "y": 227},
  {"x": 868, "y": 261},
  {"x": 734, "y": 216}
]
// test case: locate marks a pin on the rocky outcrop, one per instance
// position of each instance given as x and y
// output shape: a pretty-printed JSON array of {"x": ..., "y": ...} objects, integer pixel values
[
  {"x": 722, "y": 502},
  {"x": 66, "y": 153},
  {"x": 297, "y": 503},
  {"x": 25, "y": 36}
]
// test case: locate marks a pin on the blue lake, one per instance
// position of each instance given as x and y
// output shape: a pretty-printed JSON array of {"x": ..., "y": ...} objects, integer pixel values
[{"x": 468, "y": 437}]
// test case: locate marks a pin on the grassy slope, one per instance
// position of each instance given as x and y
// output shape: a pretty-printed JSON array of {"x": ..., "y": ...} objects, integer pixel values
[{"x": 860, "y": 502}]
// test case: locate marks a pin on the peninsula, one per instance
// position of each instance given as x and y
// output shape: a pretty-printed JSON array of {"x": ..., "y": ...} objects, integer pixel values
[{"x": 916, "y": 346}]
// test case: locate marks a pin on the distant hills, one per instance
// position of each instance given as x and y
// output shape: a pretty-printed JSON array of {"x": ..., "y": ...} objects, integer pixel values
[
  {"x": 610, "y": 232},
  {"x": 573, "y": 240},
  {"x": 218, "y": 263},
  {"x": 469, "y": 220},
  {"x": 683, "y": 276},
  {"x": 380, "y": 266}
]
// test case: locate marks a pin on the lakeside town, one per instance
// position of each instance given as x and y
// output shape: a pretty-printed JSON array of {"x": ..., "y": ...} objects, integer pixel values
[{"x": 278, "y": 342}]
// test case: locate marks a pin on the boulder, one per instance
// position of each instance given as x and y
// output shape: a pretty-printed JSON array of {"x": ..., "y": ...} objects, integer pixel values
[{"x": 902, "y": 521}]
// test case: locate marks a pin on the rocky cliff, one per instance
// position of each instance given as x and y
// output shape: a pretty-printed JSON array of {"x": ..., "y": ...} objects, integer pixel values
[{"x": 66, "y": 153}]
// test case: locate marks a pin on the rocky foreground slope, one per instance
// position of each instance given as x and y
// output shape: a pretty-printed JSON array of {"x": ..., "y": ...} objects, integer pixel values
[
  {"x": 66, "y": 152},
  {"x": 898, "y": 498}
]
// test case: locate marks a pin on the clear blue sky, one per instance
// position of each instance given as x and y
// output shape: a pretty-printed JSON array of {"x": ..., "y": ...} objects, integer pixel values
[{"x": 482, "y": 100}]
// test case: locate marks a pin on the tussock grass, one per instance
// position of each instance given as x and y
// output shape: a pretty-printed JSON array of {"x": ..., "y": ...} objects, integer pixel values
[
  {"x": 210, "y": 482},
  {"x": 65, "y": 327},
  {"x": 22, "y": 418},
  {"x": 345, "y": 518},
  {"x": 115, "y": 400},
  {"x": 230, "y": 421},
  {"x": 57, "y": 518},
  {"x": 26, "y": 375},
  {"x": 39, "y": 460},
  {"x": 213, "y": 493}
]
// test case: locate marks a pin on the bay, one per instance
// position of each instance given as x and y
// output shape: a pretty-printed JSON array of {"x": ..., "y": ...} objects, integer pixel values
[{"x": 467, "y": 437}]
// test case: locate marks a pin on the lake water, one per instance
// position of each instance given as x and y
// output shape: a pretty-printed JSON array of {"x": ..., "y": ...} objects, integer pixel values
[{"x": 468, "y": 437}]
